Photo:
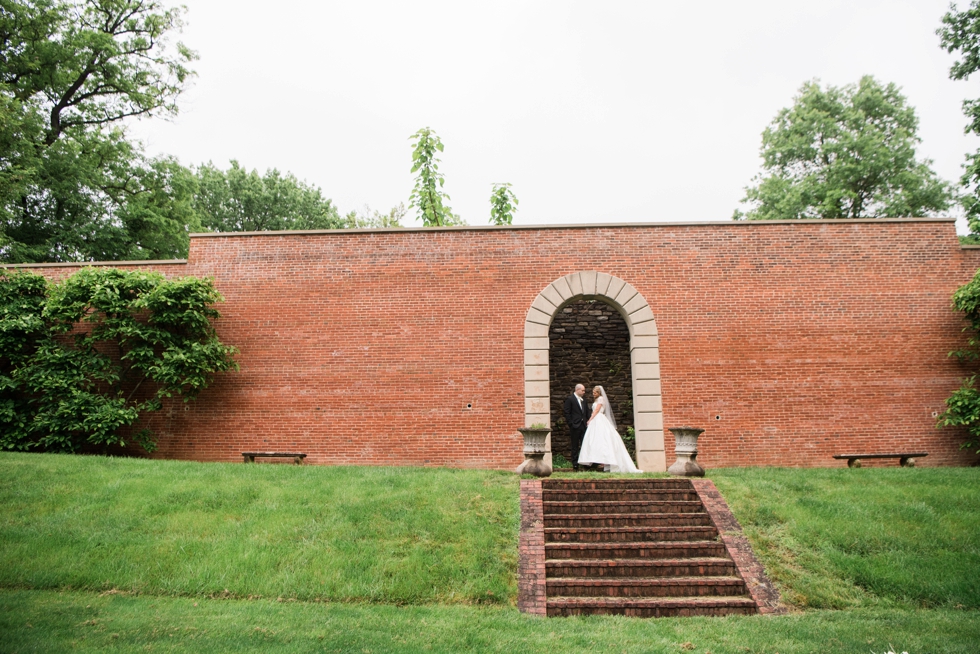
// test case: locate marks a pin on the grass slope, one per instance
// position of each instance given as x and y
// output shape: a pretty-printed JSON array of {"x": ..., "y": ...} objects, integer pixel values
[
  {"x": 49, "y": 621},
  {"x": 395, "y": 535},
  {"x": 839, "y": 538},
  {"x": 413, "y": 551}
]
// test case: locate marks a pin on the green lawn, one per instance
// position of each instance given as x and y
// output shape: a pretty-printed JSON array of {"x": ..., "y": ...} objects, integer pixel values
[
  {"x": 841, "y": 537},
  {"x": 105, "y": 554},
  {"x": 394, "y": 535},
  {"x": 87, "y": 622}
]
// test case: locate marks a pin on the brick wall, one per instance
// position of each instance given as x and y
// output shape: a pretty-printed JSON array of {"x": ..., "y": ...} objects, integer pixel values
[{"x": 787, "y": 342}]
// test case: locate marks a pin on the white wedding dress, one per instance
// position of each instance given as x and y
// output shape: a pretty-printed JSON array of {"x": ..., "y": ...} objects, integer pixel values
[{"x": 603, "y": 444}]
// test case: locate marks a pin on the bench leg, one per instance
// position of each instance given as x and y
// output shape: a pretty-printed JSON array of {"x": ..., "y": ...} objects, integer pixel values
[{"x": 854, "y": 463}]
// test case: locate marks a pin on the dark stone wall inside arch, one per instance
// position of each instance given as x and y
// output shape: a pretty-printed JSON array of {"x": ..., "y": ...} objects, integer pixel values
[{"x": 590, "y": 344}]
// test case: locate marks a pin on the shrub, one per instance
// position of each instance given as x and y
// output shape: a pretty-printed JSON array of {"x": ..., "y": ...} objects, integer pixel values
[
  {"x": 83, "y": 359},
  {"x": 963, "y": 406}
]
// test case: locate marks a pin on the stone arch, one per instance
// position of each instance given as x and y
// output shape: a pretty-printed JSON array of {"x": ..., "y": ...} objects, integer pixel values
[{"x": 644, "y": 356}]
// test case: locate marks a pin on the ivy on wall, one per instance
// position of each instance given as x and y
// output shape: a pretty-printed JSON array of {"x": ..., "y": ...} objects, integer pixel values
[{"x": 83, "y": 359}]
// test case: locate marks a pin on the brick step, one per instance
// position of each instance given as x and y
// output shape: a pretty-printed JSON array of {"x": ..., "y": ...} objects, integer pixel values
[
  {"x": 572, "y": 520},
  {"x": 627, "y": 534},
  {"x": 648, "y": 587},
  {"x": 650, "y": 607},
  {"x": 608, "y": 508},
  {"x": 606, "y": 568},
  {"x": 615, "y": 484},
  {"x": 636, "y": 550},
  {"x": 622, "y": 495}
]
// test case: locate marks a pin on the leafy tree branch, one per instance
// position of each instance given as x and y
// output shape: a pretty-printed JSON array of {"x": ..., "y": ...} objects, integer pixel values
[
  {"x": 71, "y": 73},
  {"x": 961, "y": 33}
]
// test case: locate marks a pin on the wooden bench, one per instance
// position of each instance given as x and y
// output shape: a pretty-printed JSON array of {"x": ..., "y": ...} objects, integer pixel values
[
  {"x": 297, "y": 457},
  {"x": 906, "y": 459}
]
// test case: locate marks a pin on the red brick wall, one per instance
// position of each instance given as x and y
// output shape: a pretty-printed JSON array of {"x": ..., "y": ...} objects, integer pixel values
[{"x": 807, "y": 339}]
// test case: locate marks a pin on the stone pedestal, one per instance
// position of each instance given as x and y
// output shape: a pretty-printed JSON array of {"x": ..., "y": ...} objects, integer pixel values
[
  {"x": 535, "y": 439},
  {"x": 686, "y": 449}
]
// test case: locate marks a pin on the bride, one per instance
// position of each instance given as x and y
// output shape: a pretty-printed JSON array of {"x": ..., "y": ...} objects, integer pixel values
[{"x": 602, "y": 443}]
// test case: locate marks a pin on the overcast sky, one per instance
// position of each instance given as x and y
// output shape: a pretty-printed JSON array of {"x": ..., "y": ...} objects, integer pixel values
[{"x": 595, "y": 112}]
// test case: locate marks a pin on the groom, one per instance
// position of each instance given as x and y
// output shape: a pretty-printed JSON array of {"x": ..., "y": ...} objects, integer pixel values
[{"x": 576, "y": 417}]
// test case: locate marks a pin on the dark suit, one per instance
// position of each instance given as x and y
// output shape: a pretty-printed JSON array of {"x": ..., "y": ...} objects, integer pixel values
[{"x": 577, "y": 419}]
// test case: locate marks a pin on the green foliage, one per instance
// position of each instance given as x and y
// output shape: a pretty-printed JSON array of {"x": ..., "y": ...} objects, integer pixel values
[
  {"x": 240, "y": 201},
  {"x": 558, "y": 461},
  {"x": 22, "y": 329},
  {"x": 629, "y": 440},
  {"x": 72, "y": 186},
  {"x": 963, "y": 406},
  {"x": 372, "y": 219},
  {"x": 963, "y": 410},
  {"x": 82, "y": 360},
  {"x": 845, "y": 152},
  {"x": 961, "y": 33},
  {"x": 427, "y": 195},
  {"x": 503, "y": 204}
]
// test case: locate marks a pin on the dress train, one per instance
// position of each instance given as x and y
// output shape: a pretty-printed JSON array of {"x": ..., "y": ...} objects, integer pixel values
[{"x": 603, "y": 444}]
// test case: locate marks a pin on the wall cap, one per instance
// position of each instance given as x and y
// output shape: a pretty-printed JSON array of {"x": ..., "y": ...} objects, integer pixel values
[
  {"x": 487, "y": 228},
  {"x": 484, "y": 228}
]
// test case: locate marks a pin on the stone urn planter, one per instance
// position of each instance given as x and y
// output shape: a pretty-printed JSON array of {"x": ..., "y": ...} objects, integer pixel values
[
  {"x": 534, "y": 451},
  {"x": 686, "y": 449}
]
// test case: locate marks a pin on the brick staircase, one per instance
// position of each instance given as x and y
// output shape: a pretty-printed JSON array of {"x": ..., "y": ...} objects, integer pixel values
[{"x": 636, "y": 547}]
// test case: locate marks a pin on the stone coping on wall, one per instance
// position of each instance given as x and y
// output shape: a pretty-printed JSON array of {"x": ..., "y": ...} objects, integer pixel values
[
  {"x": 762, "y": 590},
  {"x": 485, "y": 228}
]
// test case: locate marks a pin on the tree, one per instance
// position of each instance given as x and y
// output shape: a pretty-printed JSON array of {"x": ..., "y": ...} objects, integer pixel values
[
  {"x": 961, "y": 33},
  {"x": 427, "y": 196},
  {"x": 242, "y": 201},
  {"x": 372, "y": 219},
  {"x": 845, "y": 152},
  {"x": 503, "y": 204},
  {"x": 71, "y": 73},
  {"x": 81, "y": 361},
  {"x": 963, "y": 406}
]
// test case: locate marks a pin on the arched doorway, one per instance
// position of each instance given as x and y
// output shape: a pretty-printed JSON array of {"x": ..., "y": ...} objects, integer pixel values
[{"x": 644, "y": 356}]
